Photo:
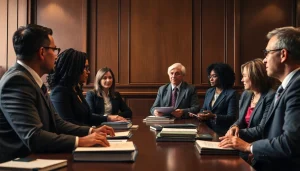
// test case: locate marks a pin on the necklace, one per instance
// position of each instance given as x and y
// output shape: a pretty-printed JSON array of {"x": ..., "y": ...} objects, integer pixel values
[{"x": 252, "y": 101}]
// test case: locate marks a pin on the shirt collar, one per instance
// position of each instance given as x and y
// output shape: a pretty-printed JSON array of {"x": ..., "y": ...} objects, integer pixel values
[
  {"x": 178, "y": 87},
  {"x": 288, "y": 78},
  {"x": 35, "y": 76}
]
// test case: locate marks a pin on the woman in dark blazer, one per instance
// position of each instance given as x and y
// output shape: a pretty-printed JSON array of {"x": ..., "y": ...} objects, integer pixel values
[
  {"x": 255, "y": 100},
  {"x": 220, "y": 105},
  {"x": 70, "y": 73},
  {"x": 104, "y": 100},
  {"x": 257, "y": 97}
]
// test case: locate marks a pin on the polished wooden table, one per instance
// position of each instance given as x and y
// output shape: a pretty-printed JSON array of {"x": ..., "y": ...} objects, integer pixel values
[{"x": 161, "y": 156}]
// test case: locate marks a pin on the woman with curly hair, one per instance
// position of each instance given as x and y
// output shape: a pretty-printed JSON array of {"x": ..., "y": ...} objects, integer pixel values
[
  {"x": 70, "y": 73},
  {"x": 220, "y": 106}
]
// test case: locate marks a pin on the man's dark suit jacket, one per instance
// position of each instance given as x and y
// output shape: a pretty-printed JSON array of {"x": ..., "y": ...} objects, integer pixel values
[
  {"x": 72, "y": 106},
  {"x": 261, "y": 108},
  {"x": 28, "y": 122},
  {"x": 96, "y": 104},
  {"x": 225, "y": 107},
  {"x": 279, "y": 144},
  {"x": 187, "y": 99}
]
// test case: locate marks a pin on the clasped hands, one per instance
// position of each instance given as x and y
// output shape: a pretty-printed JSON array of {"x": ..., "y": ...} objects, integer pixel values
[
  {"x": 97, "y": 137},
  {"x": 177, "y": 113},
  {"x": 231, "y": 139}
]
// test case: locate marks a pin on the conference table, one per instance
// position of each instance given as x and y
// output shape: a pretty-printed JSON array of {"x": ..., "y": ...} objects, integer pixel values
[{"x": 160, "y": 156}]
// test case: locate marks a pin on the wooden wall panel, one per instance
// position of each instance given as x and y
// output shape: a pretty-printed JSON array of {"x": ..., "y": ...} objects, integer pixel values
[
  {"x": 68, "y": 19},
  {"x": 213, "y": 34},
  {"x": 160, "y": 35},
  {"x": 12, "y": 26},
  {"x": 13, "y": 14},
  {"x": 4, "y": 38},
  {"x": 257, "y": 19},
  {"x": 108, "y": 35}
]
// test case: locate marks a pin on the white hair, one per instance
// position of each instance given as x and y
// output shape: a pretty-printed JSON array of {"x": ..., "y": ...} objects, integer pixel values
[{"x": 178, "y": 66}]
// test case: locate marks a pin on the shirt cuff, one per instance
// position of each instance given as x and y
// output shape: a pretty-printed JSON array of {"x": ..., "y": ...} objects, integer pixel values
[
  {"x": 91, "y": 129},
  {"x": 251, "y": 148},
  {"x": 76, "y": 142}
]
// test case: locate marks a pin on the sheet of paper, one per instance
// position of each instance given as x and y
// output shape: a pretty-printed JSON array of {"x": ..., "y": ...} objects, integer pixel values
[
  {"x": 114, "y": 146},
  {"x": 121, "y": 134},
  {"x": 117, "y": 140},
  {"x": 178, "y": 130}
]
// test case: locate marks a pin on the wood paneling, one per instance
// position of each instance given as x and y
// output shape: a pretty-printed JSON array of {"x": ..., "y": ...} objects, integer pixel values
[
  {"x": 108, "y": 35},
  {"x": 213, "y": 34},
  {"x": 160, "y": 35},
  {"x": 4, "y": 38},
  {"x": 257, "y": 19},
  {"x": 68, "y": 19},
  {"x": 13, "y": 14}
]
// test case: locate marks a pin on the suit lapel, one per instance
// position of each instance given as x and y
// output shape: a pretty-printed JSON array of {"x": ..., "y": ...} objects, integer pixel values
[
  {"x": 273, "y": 107},
  {"x": 45, "y": 98},
  {"x": 219, "y": 99},
  {"x": 182, "y": 91},
  {"x": 167, "y": 97},
  {"x": 260, "y": 101},
  {"x": 246, "y": 101}
]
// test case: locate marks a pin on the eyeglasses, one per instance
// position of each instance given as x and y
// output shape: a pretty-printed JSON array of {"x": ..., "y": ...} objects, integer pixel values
[
  {"x": 55, "y": 50},
  {"x": 87, "y": 68},
  {"x": 212, "y": 76},
  {"x": 266, "y": 52}
]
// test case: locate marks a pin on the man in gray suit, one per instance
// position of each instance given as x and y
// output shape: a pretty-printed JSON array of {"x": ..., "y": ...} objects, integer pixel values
[
  {"x": 177, "y": 93},
  {"x": 278, "y": 139},
  {"x": 28, "y": 122}
]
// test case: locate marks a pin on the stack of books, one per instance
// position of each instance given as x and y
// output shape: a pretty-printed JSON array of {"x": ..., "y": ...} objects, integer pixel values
[
  {"x": 118, "y": 125},
  {"x": 161, "y": 126},
  {"x": 211, "y": 148},
  {"x": 32, "y": 164},
  {"x": 175, "y": 134},
  {"x": 116, "y": 152},
  {"x": 159, "y": 119},
  {"x": 121, "y": 135}
]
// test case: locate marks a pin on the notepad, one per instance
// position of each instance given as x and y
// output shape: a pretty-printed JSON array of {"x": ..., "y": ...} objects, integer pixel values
[
  {"x": 117, "y": 151},
  {"x": 209, "y": 148},
  {"x": 38, "y": 164},
  {"x": 120, "y": 135}
]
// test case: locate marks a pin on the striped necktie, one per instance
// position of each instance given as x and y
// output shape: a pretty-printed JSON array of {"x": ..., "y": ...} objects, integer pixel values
[
  {"x": 174, "y": 96},
  {"x": 278, "y": 93}
]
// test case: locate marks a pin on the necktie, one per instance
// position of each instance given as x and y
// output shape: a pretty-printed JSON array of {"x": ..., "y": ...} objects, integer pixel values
[
  {"x": 174, "y": 96},
  {"x": 278, "y": 93},
  {"x": 44, "y": 89}
]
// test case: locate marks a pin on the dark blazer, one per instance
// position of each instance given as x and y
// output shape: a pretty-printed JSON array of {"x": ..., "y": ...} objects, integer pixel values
[
  {"x": 278, "y": 147},
  {"x": 96, "y": 104},
  {"x": 186, "y": 100},
  {"x": 225, "y": 107},
  {"x": 261, "y": 108},
  {"x": 28, "y": 122},
  {"x": 72, "y": 106}
]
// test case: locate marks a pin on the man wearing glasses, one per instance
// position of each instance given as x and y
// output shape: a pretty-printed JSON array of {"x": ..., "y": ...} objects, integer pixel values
[
  {"x": 178, "y": 94},
  {"x": 28, "y": 122},
  {"x": 275, "y": 143}
]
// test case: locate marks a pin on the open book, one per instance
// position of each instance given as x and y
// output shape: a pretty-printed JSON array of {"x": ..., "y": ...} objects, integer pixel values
[
  {"x": 38, "y": 164},
  {"x": 117, "y": 151}
]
